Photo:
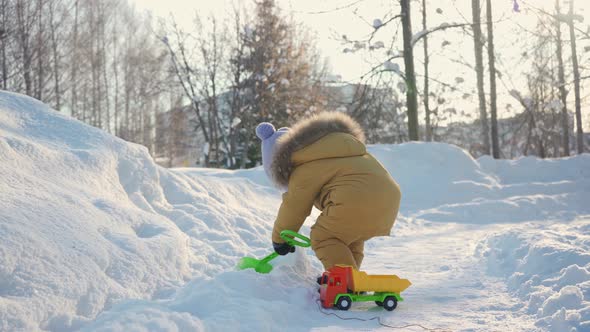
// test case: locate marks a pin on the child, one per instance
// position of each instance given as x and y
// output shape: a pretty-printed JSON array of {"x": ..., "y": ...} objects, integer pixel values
[{"x": 323, "y": 161}]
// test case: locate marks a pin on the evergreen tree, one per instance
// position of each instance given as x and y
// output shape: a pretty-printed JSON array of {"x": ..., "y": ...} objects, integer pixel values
[{"x": 282, "y": 81}]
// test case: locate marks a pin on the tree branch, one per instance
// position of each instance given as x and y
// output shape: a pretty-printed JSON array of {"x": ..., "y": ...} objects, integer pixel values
[
  {"x": 397, "y": 56},
  {"x": 330, "y": 10},
  {"x": 445, "y": 26},
  {"x": 382, "y": 25}
]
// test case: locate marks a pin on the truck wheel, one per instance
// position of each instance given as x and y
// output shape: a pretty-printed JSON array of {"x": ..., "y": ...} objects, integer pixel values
[
  {"x": 344, "y": 302},
  {"x": 379, "y": 303},
  {"x": 389, "y": 303}
]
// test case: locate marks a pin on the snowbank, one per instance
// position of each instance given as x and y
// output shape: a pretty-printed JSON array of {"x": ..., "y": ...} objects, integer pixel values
[
  {"x": 548, "y": 268},
  {"x": 88, "y": 220},
  {"x": 442, "y": 182}
]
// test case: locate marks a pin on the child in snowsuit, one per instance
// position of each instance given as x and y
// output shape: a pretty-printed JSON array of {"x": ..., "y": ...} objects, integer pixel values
[{"x": 323, "y": 161}]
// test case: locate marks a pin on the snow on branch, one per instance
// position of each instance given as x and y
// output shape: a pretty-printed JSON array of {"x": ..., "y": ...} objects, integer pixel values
[
  {"x": 386, "y": 63},
  {"x": 378, "y": 24},
  {"x": 392, "y": 66},
  {"x": 443, "y": 26}
]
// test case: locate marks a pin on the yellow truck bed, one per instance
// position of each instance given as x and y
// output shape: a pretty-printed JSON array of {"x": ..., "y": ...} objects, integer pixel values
[{"x": 362, "y": 282}]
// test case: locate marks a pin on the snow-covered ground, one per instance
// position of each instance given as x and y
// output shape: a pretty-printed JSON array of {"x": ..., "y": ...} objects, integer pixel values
[{"x": 95, "y": 237}]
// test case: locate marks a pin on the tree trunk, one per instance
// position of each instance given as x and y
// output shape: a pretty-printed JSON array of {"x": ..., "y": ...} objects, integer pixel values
[
  {"x": 95, "y": 62},
  {"x": 23, "y": 32},
  {"x": 95, "y": 75},
  {"x": 426, "y": 86},
  {"x": 478, "y": 43},
  {"x": 40, "y": 47},
  {"x": 103, "y": 57},
  {"x": 244, "y": 160},
  {"x": 565, "y": 141},
  {"x": 492, "y": 67},
  {"x": 54, "y": 43},
  {"x": 580, "y": 131},
  {"x": 127, "y": 75},
  {"x": 74, "y": 57},
  {"x": 116, "y": 76},
  {"x": 4, "y": 39},
  {"x": 412, "y": 98}
]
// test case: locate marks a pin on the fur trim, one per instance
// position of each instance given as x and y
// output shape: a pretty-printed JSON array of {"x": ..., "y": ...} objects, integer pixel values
[{"x": 306, "y": 132}]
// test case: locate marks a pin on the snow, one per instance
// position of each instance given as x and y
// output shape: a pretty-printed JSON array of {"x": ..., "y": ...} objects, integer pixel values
[
  {"x": 393, "y": 54},
  {"x": 249, "y": 32},
  {"x": 421, "y": 33},
  {"x": 377, "y": 23},
  {"x": 377, "y": 45},
  {"x": 418, "y": 35},
  {"x": 555, "y": 105},
  {"x": 236, "y": 122},
  {"x": 548, "y": 267},
  {"x": 391, "y": 66},
  {"x": 94, "y": 236}
]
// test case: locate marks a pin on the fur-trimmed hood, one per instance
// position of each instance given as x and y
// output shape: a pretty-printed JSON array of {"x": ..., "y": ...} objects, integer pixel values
[{"x": 305, "y": 133}]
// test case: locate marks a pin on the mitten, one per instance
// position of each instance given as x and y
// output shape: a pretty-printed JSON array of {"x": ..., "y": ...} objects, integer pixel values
[{"x": 283, "y": 248}]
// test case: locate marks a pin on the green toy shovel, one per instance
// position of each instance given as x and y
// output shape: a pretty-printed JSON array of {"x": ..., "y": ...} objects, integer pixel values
[{"x": 263, "y": 265}]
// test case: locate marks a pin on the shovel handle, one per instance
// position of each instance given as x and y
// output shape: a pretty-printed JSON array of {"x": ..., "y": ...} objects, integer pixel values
[
  {"x": 295, "y": 239},
  {"x": 268, "y": 258}
]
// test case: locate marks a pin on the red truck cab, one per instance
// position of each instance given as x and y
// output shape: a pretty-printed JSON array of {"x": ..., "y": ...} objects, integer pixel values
[{"x": 334, "y": 281}]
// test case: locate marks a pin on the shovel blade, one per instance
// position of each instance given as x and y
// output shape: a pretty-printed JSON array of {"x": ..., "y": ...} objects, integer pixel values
[
  {"x": 263, "y": 268},
  {"x": 248, "y": 263},
  {"x": 256, "y": 264}
]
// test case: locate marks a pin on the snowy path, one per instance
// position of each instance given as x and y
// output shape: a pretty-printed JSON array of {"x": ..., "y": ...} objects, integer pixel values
[{"x": 450, "y": 290}]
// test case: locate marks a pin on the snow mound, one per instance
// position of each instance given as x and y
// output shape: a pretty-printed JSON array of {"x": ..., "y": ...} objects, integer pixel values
[
  {"x": 215, "y": 301},
  {"x": 89, "y": 220},
  {"x": 462, "y": 189},
  {"x": 535, "y": 170},
  {"x": 449, "y": 172},
  {"x": 548, "y": 268}
]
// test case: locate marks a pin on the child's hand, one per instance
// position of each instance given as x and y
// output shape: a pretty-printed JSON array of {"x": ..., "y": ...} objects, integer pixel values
[{"x": 283, "y": 248}]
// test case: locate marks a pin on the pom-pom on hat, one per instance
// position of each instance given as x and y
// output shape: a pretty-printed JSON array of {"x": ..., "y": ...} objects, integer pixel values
[
  {"x": 265, "y": 130},
  {"x": 268, "y": 135}
]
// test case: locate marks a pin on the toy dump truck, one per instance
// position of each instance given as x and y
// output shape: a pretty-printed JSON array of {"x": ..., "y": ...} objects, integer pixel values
[{"x": 342, "y": 285}]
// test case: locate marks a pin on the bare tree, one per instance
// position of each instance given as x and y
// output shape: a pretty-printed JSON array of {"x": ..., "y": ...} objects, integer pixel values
[
  {"x": 576, "y": 69},
  {"x": 426, "y": 96},
  {"x": 236, "y": 99},
  {"x": 25, "y": 19},
  {"x": 561, "y": 83},
  {"x": 55, "y": 23},
  {"x": 410, "y": 76},
  {"x": 116, "y": 68},
  {"x": 185, "y": 74},
  {"x": 478, "y": 44},
  {"x": 105, "y": 14},
  {"x": 212, "y": 56},
  {"x": 539, "y": 131},
  {"x": 74, "y": 62},
  {"x": 493, "y": 94},
  {"x": 4, "y": 14},
  {"x": 40, "y": 51}
]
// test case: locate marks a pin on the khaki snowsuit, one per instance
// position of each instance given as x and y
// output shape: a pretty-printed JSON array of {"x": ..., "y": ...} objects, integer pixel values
[{"x": 323, "y": 163}]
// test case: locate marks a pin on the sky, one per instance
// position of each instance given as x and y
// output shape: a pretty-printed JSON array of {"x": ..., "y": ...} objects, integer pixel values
[{"x": 329, "y": 20}]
